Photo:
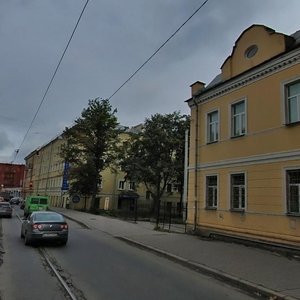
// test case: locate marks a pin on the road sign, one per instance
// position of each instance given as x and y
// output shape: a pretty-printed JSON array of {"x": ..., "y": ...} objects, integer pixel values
[{"x": 75, "y": 198}]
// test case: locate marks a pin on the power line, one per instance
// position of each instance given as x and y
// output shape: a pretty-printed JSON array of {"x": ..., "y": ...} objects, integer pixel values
[
  {"x": 52, "y": 78},
  {"x": 133, "y": 74},
  {"x": 117, "y": 90}
]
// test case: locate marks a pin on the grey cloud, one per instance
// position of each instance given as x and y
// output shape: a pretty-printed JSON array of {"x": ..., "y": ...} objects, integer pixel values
[{"x": 113, "y": 39}]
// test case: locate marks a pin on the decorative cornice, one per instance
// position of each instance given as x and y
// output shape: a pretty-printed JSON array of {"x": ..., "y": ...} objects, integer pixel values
[{"x": 283, "y": 62}]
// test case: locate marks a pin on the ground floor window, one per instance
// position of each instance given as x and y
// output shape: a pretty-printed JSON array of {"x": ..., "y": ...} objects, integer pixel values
[
  {"x": 293, "y": 191},
  {"x": 211, "y": 191},
  {"x": 238, "y": 195}
]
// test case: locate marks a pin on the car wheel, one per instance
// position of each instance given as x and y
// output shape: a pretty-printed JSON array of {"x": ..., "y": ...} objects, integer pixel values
[
  {"x": 26, "y": 240},
  {"x": 64, "y": 243}
]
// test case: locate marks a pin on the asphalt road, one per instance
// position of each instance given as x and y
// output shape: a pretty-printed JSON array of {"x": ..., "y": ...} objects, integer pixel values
[
  {"x": 98, "y": 266},
  {"x": 23, "y": 274}
]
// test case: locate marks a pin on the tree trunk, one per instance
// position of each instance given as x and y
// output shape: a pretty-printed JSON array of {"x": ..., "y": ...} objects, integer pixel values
[{"x": 94, "y": 194}]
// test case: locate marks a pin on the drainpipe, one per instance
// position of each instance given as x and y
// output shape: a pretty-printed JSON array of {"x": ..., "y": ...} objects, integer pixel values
[
  {"x": 185, "y": 178},
  {"x": 196, "y": 89},
  {"x": 196, "y": 161}
]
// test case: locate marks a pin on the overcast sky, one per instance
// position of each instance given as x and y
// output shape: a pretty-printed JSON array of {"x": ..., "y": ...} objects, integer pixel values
[{"x": 113, "y": 39}]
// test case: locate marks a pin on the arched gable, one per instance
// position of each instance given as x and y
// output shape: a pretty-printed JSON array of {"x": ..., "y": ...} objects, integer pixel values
[{"x": 255, "y": 45}]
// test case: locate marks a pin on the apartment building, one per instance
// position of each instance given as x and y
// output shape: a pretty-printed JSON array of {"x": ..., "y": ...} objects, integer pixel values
[
  {"x": 244, "y": 160},
  {"x": 44, "y": 173},
  {"x": 47, "y": 174},
  {"x": 11, "y": 179}
]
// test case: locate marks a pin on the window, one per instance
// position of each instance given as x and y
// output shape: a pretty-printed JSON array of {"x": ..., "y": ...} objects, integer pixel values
[
  {"x": 173, "y": 188},
  {"x": 131, "y": 186},
  {"x": 238, "y": 191},
  {"x": 293, "y": 102},
  {"x": 293, "y": 191},
  {"x": 148, "y": 195},
  {"x": 213, "y": 126},
  {"x": 238, "y": 119},
  {"x": 251, "y": 51},
  {"x": 211, "y": 191},
  {"x": 121, "y": 185}
]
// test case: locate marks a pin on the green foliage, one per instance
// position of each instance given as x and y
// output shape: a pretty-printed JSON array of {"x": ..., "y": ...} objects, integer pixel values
[
  {"x": 155, "y": 156},
  {"x": 90, "y": 146}
]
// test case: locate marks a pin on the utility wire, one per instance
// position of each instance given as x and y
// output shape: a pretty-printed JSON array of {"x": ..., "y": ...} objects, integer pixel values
[
  {"x": 133, "y": 74},
  {"x": 116, "y": 91},
  {"x": 51, "y": 80}
]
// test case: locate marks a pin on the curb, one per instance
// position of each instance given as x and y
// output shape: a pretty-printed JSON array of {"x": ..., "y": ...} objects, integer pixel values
[{"x": 245, "y": 285}]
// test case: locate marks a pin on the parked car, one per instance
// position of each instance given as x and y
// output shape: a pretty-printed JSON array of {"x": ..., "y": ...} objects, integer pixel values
[
  {"x": 5, "y": 209},
  {"x": 15, "y": 200},
  {"x": 35, "y": 203},
  {"x": 45, "y": 226}
]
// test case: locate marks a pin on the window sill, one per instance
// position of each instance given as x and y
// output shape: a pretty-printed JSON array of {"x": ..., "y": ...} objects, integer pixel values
[
  {"x": 292, "y": 124},
  {"x": 238, "y": 210},
  {"x": 210, "y": 208},
  {"x": 212, "y": 142},
  {"x": 237, "y": 136},
  {"x": 290, "y": 214}
]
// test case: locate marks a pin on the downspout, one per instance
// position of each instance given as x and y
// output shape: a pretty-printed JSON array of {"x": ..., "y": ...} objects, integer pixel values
[
  {"x": 196, "y": 161},
  {"x": 185, "y": 178}
]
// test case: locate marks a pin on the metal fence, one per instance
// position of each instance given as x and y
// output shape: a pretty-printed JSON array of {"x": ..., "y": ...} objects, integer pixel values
[{"x": 172, "y": 216}]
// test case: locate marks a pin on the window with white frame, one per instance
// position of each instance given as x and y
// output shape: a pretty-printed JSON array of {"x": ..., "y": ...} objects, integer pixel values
[
  {"x": 172, "y": 188},
  {"x": 121, "y": 185},
  {"x": 213, "y": 126},
  {"x": 211, "y": 191},
  {"x": 238, "y": 191},
  {"x": 292, "y": 92},
  {"x": 293, "y": 191},
  {"x": 238, "y": 118},
  {"x": 131, "y": 186}
]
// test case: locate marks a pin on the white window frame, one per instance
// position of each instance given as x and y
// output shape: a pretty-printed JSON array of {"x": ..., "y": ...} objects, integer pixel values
[
  {"x": 240, "y": 116},
  {"x": 215, "y": 193},
  {"x": 121, "y": 185},
  {"x": 216, "y": 126},
  {"x": 287, "y": 116},
  {"x": 131, "y": 185},
  {"x": 240, "y": 208},
  {"x": 172, "y": 188},
  {"x": 287, "y": 189}
]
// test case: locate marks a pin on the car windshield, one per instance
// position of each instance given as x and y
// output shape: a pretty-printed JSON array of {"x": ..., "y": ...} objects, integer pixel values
[{"x": 49, "y": 217}]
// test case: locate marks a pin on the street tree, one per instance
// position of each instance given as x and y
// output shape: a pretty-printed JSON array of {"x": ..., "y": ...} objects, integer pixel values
[
  {"x": 155, "y": 155},
  {"x": 90, "y": 147}
]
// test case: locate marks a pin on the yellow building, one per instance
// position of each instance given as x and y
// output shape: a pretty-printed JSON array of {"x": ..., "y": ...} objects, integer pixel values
[
  {"x": 46, "y": 174},
  {"x": 244, "y": 160}
]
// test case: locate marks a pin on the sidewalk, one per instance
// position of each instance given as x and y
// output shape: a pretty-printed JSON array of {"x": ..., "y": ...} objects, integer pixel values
[{"x": 256, "y": 270}]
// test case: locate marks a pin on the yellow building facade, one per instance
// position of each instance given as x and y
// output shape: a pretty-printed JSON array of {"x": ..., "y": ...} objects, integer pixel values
[
  {"x": 244, "y": 159},
  {"x": 46, "y": 174}
]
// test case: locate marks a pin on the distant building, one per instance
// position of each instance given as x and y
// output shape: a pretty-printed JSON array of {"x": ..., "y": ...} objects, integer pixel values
[
  {"x": 47, "y": 174},
  {"x": 44, "y": 172},
  {"x": 244, "y": 167},
  {"x": 11, "y": 179}
]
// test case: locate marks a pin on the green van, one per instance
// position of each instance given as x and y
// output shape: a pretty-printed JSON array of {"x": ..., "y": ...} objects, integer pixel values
[{"x": 35, "y": 203}]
